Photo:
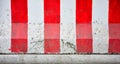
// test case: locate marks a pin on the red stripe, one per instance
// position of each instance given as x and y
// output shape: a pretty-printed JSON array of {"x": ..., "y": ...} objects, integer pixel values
[
  {"x": 84, "y": 26},
  {"x": 52, "y": 26},
  {"x": 114, "y": 26},
  {"x": 19, "y": 25}
]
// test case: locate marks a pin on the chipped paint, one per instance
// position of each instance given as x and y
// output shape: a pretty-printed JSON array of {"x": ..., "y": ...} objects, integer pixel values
[{"x": 68, "y": 46}]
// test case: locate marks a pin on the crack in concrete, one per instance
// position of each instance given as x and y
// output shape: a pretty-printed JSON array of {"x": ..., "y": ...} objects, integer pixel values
[
  {"x": 68, "y": 44},
  {"x": 36, "y": 43}
]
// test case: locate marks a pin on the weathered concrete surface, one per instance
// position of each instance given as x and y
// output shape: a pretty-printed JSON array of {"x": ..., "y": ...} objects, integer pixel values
[
  {"x": 5, "y": 25},
  {"x": 36, "y": 38},
  {"x": 27, "y": 59}
]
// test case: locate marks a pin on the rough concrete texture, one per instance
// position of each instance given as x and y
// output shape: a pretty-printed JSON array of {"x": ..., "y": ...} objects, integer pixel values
[
  {"x": 52, "y": 59},
  {"x": 35, "y": 38},
  {"x": 5, "y": 32},
  {"x": 68, "y": 38}
]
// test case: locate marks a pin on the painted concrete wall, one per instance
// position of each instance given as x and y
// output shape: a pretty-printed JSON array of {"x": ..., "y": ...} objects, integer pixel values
[{"x": 68, "y": 42}]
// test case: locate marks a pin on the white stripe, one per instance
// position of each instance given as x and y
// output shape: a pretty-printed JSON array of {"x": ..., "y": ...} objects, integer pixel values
[
  {"x": 5, "y": 26},
  {"x": 35, "y": 26},
  {"x": 67, "y": 26},
  {"x": 100, "y": 26}
]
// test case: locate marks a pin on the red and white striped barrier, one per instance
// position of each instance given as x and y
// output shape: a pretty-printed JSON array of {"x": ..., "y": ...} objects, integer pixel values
[{"x": 59, "y": 26}]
